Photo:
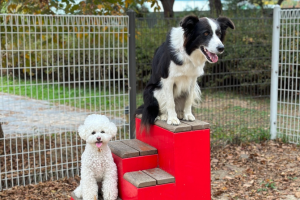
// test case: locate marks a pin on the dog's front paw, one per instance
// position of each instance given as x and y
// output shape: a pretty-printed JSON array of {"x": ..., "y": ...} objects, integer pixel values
[
  {"x": 173, "y": 121},
  {"x": 189, "y": 117},
  {"x": 77, "y": 192},
  {"x": 163, "y": 117}
]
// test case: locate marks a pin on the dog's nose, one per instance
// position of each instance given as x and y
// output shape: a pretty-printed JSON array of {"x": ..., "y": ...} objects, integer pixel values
[
  {"x": 98, "y": 138},
  {"x": 220, "y": 48}
]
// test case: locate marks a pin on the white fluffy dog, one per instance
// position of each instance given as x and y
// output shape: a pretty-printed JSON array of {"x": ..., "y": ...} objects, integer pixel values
[{"x": 97, "y": 164}]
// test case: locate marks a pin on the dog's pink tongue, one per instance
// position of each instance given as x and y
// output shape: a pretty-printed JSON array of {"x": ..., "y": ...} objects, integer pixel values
[
  {"x": 98, "y": 144},
  {"x": 213, "y": 57}
]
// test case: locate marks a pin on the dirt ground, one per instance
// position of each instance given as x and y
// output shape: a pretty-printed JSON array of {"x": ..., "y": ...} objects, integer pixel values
[{"x": 269, "y": 170}]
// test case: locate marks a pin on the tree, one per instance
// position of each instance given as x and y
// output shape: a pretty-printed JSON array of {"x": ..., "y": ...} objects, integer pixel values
[
  {"x": 168, "y": 8},
  {"x": 1, "y": 132},
  {"x": 25, "y": 6},
  {"x": 260, "y": 3},
  {"x": 89, "y": 7},
  {"x": 215, "y": 7},
  {"x": 280, "y": 2}
]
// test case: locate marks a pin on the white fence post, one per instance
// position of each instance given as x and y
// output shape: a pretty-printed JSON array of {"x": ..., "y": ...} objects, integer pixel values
[{"x": 274, "y": 71}]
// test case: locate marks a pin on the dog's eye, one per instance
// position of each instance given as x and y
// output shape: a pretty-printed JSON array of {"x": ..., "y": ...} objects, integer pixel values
[
  {"x": 206, "y": 33},
  {"x": 218, "y": 34},
  {"x": 93, "y": 133},
  {"x": 102, "y": 132}
]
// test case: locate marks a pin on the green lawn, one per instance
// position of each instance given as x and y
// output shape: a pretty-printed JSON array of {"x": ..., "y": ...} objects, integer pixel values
[
  {"x": 83, "y": 97},
  {"x": 233, "y": 117}
]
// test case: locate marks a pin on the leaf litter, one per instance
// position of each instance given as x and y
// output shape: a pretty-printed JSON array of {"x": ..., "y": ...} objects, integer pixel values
[
  {"x": 268, "y": 170},
  {"x": 54, "y": 190}
]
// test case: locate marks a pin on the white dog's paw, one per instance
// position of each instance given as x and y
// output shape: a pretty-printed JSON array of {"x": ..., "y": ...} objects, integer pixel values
[
  {"x": 173, "y": 121},
  {"x": 189, "y": 117},
  {"x": 163, "y": 117},
  {"x": 77, "y": 192},
  {"x": 157, "y": 118}
]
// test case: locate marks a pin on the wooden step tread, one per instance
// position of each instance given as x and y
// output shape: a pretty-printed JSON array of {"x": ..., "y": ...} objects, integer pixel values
[
  {"x": 99, "y": 197},
  {"x": 161, "y": 176},
  {"x": 139, "y": 179},
  {"x": 143, "y": 148},
  {"x": 122, "y": 150},
  {"x": 131, "y": 148},
  {"x": 184, "y": 126},
  {"x": 150, "y": 177}
]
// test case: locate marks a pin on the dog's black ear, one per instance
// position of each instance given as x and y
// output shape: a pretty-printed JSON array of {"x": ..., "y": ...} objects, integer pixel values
[
  {"x": 188, "y": 23},
  {"x": 224, "y": 24}
]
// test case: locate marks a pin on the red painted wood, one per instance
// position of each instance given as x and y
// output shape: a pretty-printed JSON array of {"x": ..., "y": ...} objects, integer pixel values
[
  {"x": 158, "y": 192},
  {"x": 186, "y": 156},
  {"x": 163, "y": 141},
  {"x": 129, "y": 165}
]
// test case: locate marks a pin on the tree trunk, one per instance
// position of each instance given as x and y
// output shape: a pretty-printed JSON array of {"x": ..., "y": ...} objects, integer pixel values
[
  {"x": 1, "y": 131},
  {"x": 280, "y": 2},
  {"x": 168, "y": 8},
  {"x": 215, "y": 7},
  {"x": 261, "y": 4}
]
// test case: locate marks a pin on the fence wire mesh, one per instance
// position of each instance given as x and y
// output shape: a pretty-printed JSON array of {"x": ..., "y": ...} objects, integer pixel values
[
  {"x": 54, "y": 71},
  {"x": 288, "y": 114},
  {"x": 236, "y": 90}
]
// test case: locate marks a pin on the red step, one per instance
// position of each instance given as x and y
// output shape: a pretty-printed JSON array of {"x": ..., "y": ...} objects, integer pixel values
[
  {"x": 184, "y": 152},
  {"x": 152, "y": 184},
  {"x": 129, "y": 156}
]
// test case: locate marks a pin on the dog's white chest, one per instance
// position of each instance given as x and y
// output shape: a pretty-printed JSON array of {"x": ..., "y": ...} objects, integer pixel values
[
  {"x": 184, "y": 76},
  {"x": 187, "y": 70}
]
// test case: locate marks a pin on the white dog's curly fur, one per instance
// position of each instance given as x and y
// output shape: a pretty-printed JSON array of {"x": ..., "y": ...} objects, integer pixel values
[{"x": 97, "y": 163}]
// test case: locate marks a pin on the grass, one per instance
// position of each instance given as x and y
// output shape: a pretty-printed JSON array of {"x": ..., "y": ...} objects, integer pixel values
[
  {"x": 85, "y": 97},
  {"x": 234, "y": 118}
]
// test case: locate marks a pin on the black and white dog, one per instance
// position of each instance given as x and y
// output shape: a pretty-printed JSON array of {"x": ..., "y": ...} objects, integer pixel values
[{"x": 177, "y": 63}]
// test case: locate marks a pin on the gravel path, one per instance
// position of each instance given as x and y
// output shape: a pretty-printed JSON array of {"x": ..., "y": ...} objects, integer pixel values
[{"x": 21, "y": 115}]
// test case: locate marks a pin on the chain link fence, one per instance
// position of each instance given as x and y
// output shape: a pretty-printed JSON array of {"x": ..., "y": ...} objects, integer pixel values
[{"x": 54, "y": 71}]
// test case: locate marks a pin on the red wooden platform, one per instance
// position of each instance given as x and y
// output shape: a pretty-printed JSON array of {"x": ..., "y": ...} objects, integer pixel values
[{"x": 181, "y": 151}]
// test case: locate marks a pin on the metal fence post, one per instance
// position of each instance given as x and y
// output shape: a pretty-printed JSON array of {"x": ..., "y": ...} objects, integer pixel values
[
  {"x": 132, "y": 73},
  {"x": 274, "y": 71}
]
